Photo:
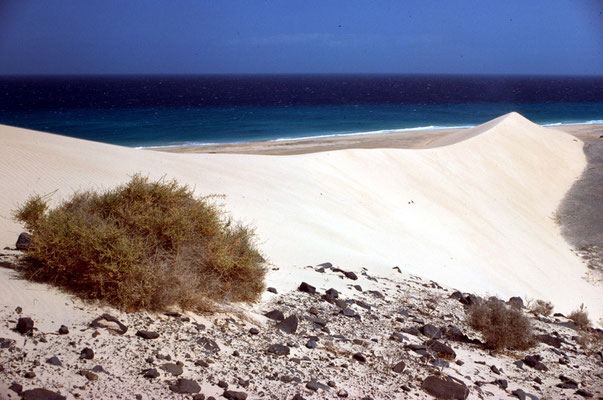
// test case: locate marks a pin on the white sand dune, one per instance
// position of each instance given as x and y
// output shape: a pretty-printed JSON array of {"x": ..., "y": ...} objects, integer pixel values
[{"x": 476, "y": 214}]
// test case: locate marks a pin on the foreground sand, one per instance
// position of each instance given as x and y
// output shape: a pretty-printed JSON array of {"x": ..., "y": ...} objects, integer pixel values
[{"x": 473, "y": 210}]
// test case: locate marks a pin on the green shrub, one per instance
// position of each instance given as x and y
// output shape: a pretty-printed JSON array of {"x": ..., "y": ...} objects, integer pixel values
[
  {"x": 502, "y": 327},
  {"x": 143, "y": 245}
]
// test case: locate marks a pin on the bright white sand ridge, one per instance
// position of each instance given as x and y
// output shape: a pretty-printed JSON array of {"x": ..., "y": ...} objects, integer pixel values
[{"x": 476, "y": 215}]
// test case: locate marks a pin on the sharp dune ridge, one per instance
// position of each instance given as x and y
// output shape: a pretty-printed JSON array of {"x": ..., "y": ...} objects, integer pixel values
[{"x": 473, "y": 212}]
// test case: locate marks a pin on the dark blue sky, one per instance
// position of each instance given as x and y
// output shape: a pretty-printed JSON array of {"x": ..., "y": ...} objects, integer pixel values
[{"x": 287, "y": 36}]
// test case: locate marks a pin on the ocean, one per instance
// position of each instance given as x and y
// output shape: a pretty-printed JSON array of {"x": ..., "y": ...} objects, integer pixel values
[{"x": 148, "y": 111}]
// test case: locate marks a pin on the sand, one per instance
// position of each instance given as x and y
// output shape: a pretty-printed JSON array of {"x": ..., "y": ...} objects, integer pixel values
[{"x": 473, "y": 210}]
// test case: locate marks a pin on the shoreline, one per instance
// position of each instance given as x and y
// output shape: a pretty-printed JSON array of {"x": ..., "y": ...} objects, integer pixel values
[{"x": 407, "y": 139}]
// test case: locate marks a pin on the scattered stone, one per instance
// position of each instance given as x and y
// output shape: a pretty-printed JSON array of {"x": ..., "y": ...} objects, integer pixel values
[
  {"x": 23, "y": 241},
  {"x": 411, "y": 331},
  {"x": 54, "y": 361},
  {"x": 342, "y": 393},
  {"x": 358, "y": 288},
  {"x": 208, "y": 345},
  {"x": 272, "y": 290},
  {"x": 326, "y": 265},
  {"x": 289, "y": 324},
  {"x": 502, "y": 383},
  {"x": 6, "y": 343},
  {"x": 516, "y": 302},
  {"x": 41, "y": 394},
  {"x": 348, "y": 312},
  {"x": 314, "y": 385},
  {"x": 223, "y": 384},
  {"x": 445, "y": 387},
  {"x": 399, "y": 367},
  {"x": 25, "y": 326},
  {"x": 583, "y": 393},
  {"x": 254, "y": 331},
  {"x": 275, "y": 315},
  {"x": 311, "y": 344},
  {"x": 15, "y": 387},
  {"x": 201, "y": 363},
  {"x": 98, "y": 368},
  {"x": 430, "y": 331},
  {"x": 550, "y": 340},
  {"x": 495, "y": 369},
  {"x": 298, "y": 396},
  {"x": 91, "y": 376},
  {"x": 317, "y": 320},
  {"x": 151, "y": 373},
  {"x": 63, "y": 330},
  {"x": 520, "y": 394},
  {"x": 359, "y": 357},
  {"x": 87, "y": 354},
  {"x": 185, "y": 386},
  {"x": 534, "y": 362},
  {"x": 307, "y": 288},
  {"x": 279, "y": 350},
  {"x": 107, "y": 321},
  {"x": 232, "y": 395},
  {"x": 441, "y": 349},
  {"x": 147, "y": 334},
  {"x": 350, "y": 275},
  {"x": 29, "y": 375},
  {"x": 171, "y": 368},
  {"x": 332, "y": 293}
]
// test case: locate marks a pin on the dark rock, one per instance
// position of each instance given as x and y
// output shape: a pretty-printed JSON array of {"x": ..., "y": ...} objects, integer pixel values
[
  {"x": 29, "y": 375},
  {"x": 358, "y": 288},
  {"x": 430, "y": 331},
  {"x": 317, "y": 320},
  {"x": 6, "y": 343},
  {"x": 495, "y": 369},
  {"x": 289, "y": 324},
  {"x": 87, "y": 354},
  {"x": 172, "y": 314},
  {"x": 520, "y": 394},
  {"x": 398, "y": 337},
  {"x": 198, "y": 396},
  {"x": 332, "y": 293},
  {"x": 376, "y": 293},
  {"x": 350, "y": 275},
  {"x": 417, "y": 348},
  {"x": 362, "y": 304},
  {"x": 516, "y": 302},
  {"x": 359, "y": 357},
  {"x": 232, "y": 395},
  {"x": 583, "y": 393},
  {"x": 325, "y": 265},
  {"x": 25, "y": 326},
  {"x": 534, "y": 362},
  {"x": 298, "y": 396},
  {"x": 399, "y": 367},
  {"x": 98, "y": 368},
  {"x": 54, "y": 361},
  {"x": 151, "y": 373},
  {"x": 441, "y": 349},
  {"x": 147, "y": 334},
  {"x": 171, "y": 368},
  {"x": 454, "y": 333},
  {"x": 223, "y": 384},
  {"x": 15, "y": 387},
  {"x": 275, "y": 315},
  {"x": 331, "y": 384},
  {"x": 208, "y": 345},
  {"x": 201, "y": 363},
  {"x": 279, "y": 350},
  {"x": 411, "y": 331},
  {"x": 91, "y": 376},
  {"x": 567, "y": 386},
  {"x": 518, "y": 364},
  {"x": 445, "y": 387},
  {"x": 348, "y": 312},
  {"x": 243, "y": 383},
  {"x": 23, "y": 241},
  {"x": 63, "y": 330},
  {"x": 311, "y": 344},
  {"x": 254, "y": 331},
  {"x": 272, "y": 290},
  {"x": 342, "y": 393},
  {"x": 502, "y": 383},
  {"x": 109, "y": 322},
  {"x": 41, "y": 394},
  {"x": 307, "y": 288},
  {"x": 550, "y": 340},
  {"x": 185, "y": 386}
]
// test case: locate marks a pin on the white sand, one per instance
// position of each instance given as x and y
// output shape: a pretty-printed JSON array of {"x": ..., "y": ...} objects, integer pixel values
[{"x": 480, "y": 216}]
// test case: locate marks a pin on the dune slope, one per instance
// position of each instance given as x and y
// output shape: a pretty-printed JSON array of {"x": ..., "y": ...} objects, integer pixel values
[{"x": 476, "y": 214}]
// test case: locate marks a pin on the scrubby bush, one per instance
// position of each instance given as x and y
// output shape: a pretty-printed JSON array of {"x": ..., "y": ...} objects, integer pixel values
[
  {"x": 580, "y": 317},
  {"x": 541, "y": 307},
  {"x": 143, "y": 245},
  {"x": 502, "y": 327}
]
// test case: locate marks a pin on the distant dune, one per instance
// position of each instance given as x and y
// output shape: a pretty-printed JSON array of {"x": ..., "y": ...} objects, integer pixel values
[{"x": 476, "y": 214}]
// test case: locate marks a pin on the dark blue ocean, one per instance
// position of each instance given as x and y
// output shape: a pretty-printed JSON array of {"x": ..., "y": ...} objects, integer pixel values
[{"x": 183, "y": 110}]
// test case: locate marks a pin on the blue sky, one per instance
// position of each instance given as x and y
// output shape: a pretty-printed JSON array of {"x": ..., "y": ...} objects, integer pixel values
[{"x": 549, "y": 37}]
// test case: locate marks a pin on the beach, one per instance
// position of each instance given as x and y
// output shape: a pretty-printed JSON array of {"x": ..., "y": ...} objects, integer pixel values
[{"x": 472, "y": 209}]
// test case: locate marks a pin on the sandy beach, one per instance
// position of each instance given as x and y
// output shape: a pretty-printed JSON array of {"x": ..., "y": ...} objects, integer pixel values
[{"x": 473, "y": 209}]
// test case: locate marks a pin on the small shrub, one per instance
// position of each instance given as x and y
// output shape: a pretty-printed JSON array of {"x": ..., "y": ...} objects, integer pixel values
[
  {"x": 502, "y": 327},
  {"x": 580, "y": 317},
  {"x": 541, "y": 307},
  {"x": 143, "y": 245}
]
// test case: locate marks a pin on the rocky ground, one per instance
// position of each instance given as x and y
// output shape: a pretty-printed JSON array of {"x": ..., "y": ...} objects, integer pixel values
[{"x": 373, "y": 338}]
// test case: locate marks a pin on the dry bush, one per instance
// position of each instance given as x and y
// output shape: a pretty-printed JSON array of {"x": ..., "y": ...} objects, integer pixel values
[
  {"x": 143, "y": 245},
  {"x": 541, "y": 307},
  {"x": 580, "y": 317},
  {"x": 502, "y": 327}
]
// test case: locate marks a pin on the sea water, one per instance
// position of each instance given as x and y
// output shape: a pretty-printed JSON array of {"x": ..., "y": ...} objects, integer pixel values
[{"x": 147, "y": 111}]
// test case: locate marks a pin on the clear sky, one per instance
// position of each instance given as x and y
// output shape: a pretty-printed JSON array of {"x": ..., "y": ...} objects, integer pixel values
[{"x": 289, "y": 36}]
